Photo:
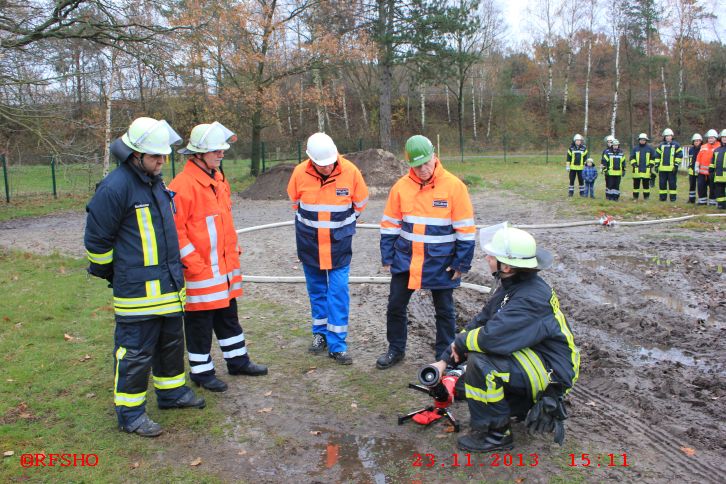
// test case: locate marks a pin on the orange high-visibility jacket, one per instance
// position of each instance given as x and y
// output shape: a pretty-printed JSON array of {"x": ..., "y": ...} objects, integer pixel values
[
  {"x": 326, "y": 212},
  {"x": 428, "y": 228},
  {"x": 705, "y": 157},
  {"x": 207, "y": 238}
]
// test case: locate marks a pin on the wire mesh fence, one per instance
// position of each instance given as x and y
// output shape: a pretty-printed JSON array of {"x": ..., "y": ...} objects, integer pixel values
[{"x": 50, "y": 177}]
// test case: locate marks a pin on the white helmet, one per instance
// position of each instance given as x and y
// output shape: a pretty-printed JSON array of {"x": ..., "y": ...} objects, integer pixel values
[
  {"x": 609, "y": 138},
  {"x": 667, "y": 132},
  {"x": 514, "y": 247},
  {"x": 578, "y": 137},
  {"x": 150, "y": 136},
  {"x": 696, "y": 136},
  {"x": 616, "y": 142},
  {"x": 711, "y": 133},
  {"x": 643, "y": 136},
  {"x": 208, "y": 137},
  {"x": 321, "y": 149},
  {"x": 723, "y": 133}
]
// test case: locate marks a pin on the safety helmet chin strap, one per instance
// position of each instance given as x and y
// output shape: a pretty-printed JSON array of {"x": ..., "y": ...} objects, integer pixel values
[{"x": 498, "y": 273}]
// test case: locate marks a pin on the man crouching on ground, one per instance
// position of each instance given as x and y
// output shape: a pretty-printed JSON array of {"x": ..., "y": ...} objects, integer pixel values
[{"x": 520, "y": 353}]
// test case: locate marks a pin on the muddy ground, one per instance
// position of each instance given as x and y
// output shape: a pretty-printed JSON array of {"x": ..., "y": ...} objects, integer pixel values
[{"x": 647, "y": 306}]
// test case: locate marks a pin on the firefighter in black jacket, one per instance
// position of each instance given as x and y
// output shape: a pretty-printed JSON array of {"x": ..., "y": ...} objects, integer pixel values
[
  {"x": 670, "y": 155},
  {"x": 520, "y": 353},
  {"x": 642, "y": 159},
  {"x": 574, "y": 164},
  {"x": 131, "y": 241},
  {"x": 613, "y": 165}
]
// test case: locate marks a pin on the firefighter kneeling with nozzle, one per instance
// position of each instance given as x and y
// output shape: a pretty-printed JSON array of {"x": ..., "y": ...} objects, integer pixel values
[{"x": 520, "y": 355}]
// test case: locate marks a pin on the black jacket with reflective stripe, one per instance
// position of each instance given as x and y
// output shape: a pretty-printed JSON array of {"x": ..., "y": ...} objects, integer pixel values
[
  {"x": 524, "y": 312},
  {"x": 131, "y": 239}
]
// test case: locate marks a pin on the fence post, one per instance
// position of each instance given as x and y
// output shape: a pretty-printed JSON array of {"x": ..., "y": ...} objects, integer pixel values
[
  {"x": 173, "y": 169},
  {"x": 299, "y": 151},
  {"x": 547, "y": 151},
  {"x": 52, "y": 173},
  {"x": 504, "y": 142},
  {"x": 5, "y": 175},
  {"x": 360, "y": 144},
  {"x": 263, "y": 156}
]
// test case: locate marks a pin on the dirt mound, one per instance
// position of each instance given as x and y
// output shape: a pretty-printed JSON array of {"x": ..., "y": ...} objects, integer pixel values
[
  {"x": 380, "y": 170},
  {"x": 271, "y": 185}
]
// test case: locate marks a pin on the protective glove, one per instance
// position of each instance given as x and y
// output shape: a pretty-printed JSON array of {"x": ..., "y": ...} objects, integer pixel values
[
  {"x": 548, "y": 414},
  {"x": 102, "y": 271}
]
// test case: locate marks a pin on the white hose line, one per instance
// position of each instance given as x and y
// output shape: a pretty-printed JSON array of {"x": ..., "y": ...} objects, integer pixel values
[
  {"x": 529, "y": 227},
  {"x": 353, "y": 279}
]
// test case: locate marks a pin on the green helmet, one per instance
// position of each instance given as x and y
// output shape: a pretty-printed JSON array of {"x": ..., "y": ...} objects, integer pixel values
[{"x": 419, "y": 150}]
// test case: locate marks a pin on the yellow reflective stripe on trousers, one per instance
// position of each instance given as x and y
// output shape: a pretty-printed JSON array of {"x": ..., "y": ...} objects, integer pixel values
[
  {"x": 539, "y": 368},
  {"x": 102, "y": 259},
  {"x": 574, "y": 351},
  {"x": 530, "y": 372},
  {"x": 472, "y": 338},
  {"x": 148, "y": 236},
  {"x": 493, "y": 393},
  {"x": 125, "y": 399},
  {"x": 168, "y": 382}
]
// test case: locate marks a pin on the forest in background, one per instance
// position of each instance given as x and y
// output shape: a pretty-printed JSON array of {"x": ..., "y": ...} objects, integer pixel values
[{"x": 74, "y": 73}]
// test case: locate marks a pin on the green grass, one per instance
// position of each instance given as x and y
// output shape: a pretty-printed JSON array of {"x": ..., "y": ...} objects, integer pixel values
[{"x": 53, "y": 399}]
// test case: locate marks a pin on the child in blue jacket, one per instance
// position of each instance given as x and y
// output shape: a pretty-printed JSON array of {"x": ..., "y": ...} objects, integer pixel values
[{"x": 589, "y": 174}]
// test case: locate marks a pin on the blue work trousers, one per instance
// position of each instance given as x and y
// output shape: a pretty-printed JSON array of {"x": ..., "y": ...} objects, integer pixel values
[{"x": 329, "y": 303}]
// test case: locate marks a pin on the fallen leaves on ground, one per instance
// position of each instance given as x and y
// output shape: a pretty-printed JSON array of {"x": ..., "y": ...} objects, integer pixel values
[
  {"x": 8, "y": 453},
  {"x": 315, "y": 432},
  {"x": 196, "y": 462},
  {"x": 67, "y": 337},
  {"x": 688, "y": 451},
  {"x": 265, "y": 410},
  {"x": 267, "y": 394}
]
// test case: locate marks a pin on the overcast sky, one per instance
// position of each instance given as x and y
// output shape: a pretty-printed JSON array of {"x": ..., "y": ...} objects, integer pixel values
[{"x": 516, "y": 14}]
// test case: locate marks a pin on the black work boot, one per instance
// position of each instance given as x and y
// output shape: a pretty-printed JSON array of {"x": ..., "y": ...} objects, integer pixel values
[
  {"x": 388, "y": 359},
  {"x": 188, "y": 400},
  {"x": 341, "y": 357},
  {"x": 319, "y": 344},
  {"x": 143, "y": 426},
  {"x": 250, "y": 369},
  {"x": 487, "y": 440},
  {"x": 212, "y": 384}
]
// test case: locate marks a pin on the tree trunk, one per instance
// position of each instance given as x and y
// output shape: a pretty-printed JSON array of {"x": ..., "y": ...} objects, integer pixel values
[
  {"x": 679, "y": 122},
  {"x": 423, "y": 107},
  {"x": 614, "y": 116},
  {"x": 364, "y": 113},
  {"x": 256, "y": 140},
  {"x": 473, "y": 107},
  {"x": 587, "y": 86},
  {"x": 107, "y": 130},
  {"x": 384, "y": 119},
  {"x": 448, "y": 107},
  {"x": 650, "y": 81},
  {"x": 318, "y": 106},
  {"x": 665, "y": 96},
  {"x": 345, "y": 107},
  {"x": 491, "y": 112},
  {"x": 565, "y": 91}
]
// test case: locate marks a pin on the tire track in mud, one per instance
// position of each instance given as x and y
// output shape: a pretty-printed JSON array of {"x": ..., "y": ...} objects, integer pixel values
[{"x": 670, "y": 454}]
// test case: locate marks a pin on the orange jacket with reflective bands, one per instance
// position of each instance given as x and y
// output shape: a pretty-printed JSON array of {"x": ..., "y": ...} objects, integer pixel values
[
  {"x": 325, "y": 212},
  {"x": 207, "y": 238},
  {"x": 705, "y": 157},
  {"x": 428, "y": 228}
]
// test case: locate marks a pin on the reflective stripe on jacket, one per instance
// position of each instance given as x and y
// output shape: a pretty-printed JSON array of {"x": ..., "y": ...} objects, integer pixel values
[
  {"x": 642, "y": 159},
  {"x": 523, "y": 319},
  {"x": 207, "y": 238},
  {"x": 428, "y": 228},
  {"x": 705, "y": 157},
  {"x": 719, "y": 159},
  {"x": 131, "y": 239},
  {"x": 669, "y": 156},
  {"x": 326, "y": 211},
  {"x": 576, "y": 156},
  {"x": 614, "y": 162}
]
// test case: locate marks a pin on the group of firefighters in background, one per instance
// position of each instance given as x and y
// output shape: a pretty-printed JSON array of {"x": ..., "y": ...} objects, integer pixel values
[{"x": 704, "y": 162}]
